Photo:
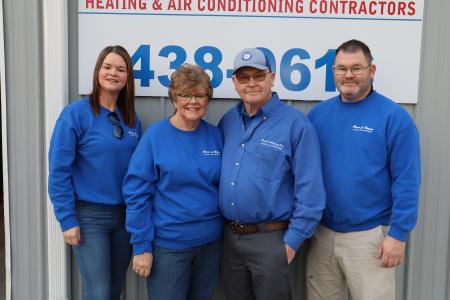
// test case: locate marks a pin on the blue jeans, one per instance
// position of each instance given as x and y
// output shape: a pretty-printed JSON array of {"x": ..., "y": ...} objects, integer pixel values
[
  {"x": 184, "y": 274},
  {"x": 104, "y": 253}
]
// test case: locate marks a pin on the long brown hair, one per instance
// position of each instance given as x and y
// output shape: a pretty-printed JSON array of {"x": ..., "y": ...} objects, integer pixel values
[{"x": 125, "y": 101}]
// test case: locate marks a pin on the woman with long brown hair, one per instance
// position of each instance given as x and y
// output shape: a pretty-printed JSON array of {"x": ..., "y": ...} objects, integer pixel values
[{"x": 90, "y": 149}]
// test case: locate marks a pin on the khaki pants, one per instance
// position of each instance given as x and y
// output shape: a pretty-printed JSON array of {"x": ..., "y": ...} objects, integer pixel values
[{"x": 341, "y": 262}]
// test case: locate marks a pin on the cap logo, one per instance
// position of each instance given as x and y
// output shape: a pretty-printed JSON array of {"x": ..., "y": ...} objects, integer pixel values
[{"x": 246, "y": 56}]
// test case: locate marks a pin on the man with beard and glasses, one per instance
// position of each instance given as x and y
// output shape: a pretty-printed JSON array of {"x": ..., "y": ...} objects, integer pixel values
[{"x": 371, "y": 168}]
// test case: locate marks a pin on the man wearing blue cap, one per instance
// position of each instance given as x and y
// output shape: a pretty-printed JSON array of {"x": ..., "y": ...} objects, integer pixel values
[{"x": 271, "y": 189}]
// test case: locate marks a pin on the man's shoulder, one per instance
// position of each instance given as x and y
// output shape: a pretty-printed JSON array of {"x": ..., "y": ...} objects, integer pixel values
[
  {"x": 229, "y": 115},
  {"x": 286, "y": 116},
  {"x": 286, "y": 111},
  {"x": 327, "y": 103},
  {"x": 323, "y": 107},
  {"x": 390, "y": 106},
  {"x": 233, "y": 110},
  {"x": 236, "y": 107},
  {"x": 385, "y": 100}
]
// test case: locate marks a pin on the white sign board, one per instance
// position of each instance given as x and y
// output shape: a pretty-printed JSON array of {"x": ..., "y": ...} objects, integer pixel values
[{"x": 299, "y": 37}]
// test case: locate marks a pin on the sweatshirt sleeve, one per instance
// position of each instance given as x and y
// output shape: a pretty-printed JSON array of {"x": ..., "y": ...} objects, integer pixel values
[
  {"x": 62, "y": 152},
  {"x": 404, "y": 164},
  {"x": 308, "y": 188},
  {"x": 138, "y": 192}
]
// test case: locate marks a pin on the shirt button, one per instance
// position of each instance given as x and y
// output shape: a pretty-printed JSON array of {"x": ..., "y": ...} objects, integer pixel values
[
  {"x": 242, "y": 145},
  {"x": 232, "y": 183},
  {"x": 237, "y": 164},
  {"x": 232, "y": 203}
]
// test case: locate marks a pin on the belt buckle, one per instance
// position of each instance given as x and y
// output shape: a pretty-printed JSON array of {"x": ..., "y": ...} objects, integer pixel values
[{"x": 235, "y": 225}]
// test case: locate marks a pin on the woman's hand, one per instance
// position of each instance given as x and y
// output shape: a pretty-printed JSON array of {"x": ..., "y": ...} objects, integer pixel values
[
  {"x": 72, "y": 236},
  {"x": 142, "y": 264}
]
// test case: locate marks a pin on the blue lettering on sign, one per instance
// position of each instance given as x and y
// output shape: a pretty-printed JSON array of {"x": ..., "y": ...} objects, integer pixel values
[
  {"x": 210, "y": 59},
  {"x": 327, "y": 60},
  {"x": 180, "y": 58},
  {"x": 213, "y": 65},
  {"x": 145, "y": 74},
  {"x": 287, "y": 68}
]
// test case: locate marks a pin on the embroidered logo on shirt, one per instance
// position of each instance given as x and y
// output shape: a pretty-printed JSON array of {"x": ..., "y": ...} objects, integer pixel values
[
  {"x": 363, "y": 128},
  {"x": 211, "y": 153},
  {"x": 133, "y": 133},
  {"x": 272, "y": 144}
]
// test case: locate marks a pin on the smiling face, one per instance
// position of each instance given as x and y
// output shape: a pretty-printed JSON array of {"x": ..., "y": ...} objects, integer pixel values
[
  {"x": 191, "y": 105},
  {"x": 353, "y": 87},
  {"x": 255, "y": 92},
  {"x": 112, "y": 76}
]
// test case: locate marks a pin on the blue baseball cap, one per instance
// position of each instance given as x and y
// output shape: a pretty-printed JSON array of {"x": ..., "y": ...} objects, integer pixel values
[{"x": 251, "y": 57}]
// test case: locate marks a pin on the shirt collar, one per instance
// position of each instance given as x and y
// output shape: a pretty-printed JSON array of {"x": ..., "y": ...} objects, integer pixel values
[{"x": 266, "y": 110}]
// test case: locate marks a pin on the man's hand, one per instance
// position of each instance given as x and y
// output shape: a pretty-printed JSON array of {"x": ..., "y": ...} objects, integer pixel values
[
  {"x": 290, "y": 253},
  {"x": 391, "y": 252},
  {"x": 142, "y": 264},
  {"x": 72, "y": 236}
]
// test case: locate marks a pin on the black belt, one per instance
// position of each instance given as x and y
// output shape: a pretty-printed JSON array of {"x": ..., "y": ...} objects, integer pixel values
[{"x": 240, "y": 228}]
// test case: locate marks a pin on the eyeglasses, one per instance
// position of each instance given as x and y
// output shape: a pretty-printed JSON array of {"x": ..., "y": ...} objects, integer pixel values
[
  {"x": 358, "y": 70},
  {"x": 244, "y": 78},
  {"x": 117, "y": 130},
  {"x": 188, "y": 97}
]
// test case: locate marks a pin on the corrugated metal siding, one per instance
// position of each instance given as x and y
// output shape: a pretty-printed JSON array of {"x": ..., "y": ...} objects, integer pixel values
[
  {"x": 23, "y": 62},
  {"x": 425, "y": 275},
  {"x": 428, "y": 265}
]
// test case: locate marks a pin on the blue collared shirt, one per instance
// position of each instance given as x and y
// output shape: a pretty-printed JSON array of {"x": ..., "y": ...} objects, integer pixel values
[
  {"x": 246, "y": 118},
  {"x": 271, "y": 170}
]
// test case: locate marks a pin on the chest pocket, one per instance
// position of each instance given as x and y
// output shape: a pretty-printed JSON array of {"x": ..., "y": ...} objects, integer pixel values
[{"x": 266, "y": 162}]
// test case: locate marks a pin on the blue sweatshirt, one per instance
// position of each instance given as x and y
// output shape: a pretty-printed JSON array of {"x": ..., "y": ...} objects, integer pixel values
[
  {"x": 86, "y": 161},
  {"x": 171, "y": 188},
  {"x": 371, "y": 164},
  {"x": 271, "y": 170}
]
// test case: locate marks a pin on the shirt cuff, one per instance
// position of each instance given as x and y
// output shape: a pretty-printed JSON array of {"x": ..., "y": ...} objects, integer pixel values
[
  {"x": 398, "y": 234},
  {"x": 68, "y": 222},
  {"x": 139, "y": 248},
  {"x": 292, "y": 240}
]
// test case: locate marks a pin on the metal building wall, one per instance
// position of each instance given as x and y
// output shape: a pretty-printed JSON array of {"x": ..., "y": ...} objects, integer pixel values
[
  {"x": 23, "y": 64},
  {"x": 428, "y": 263},
  {"x": 425, "y": 275}
]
